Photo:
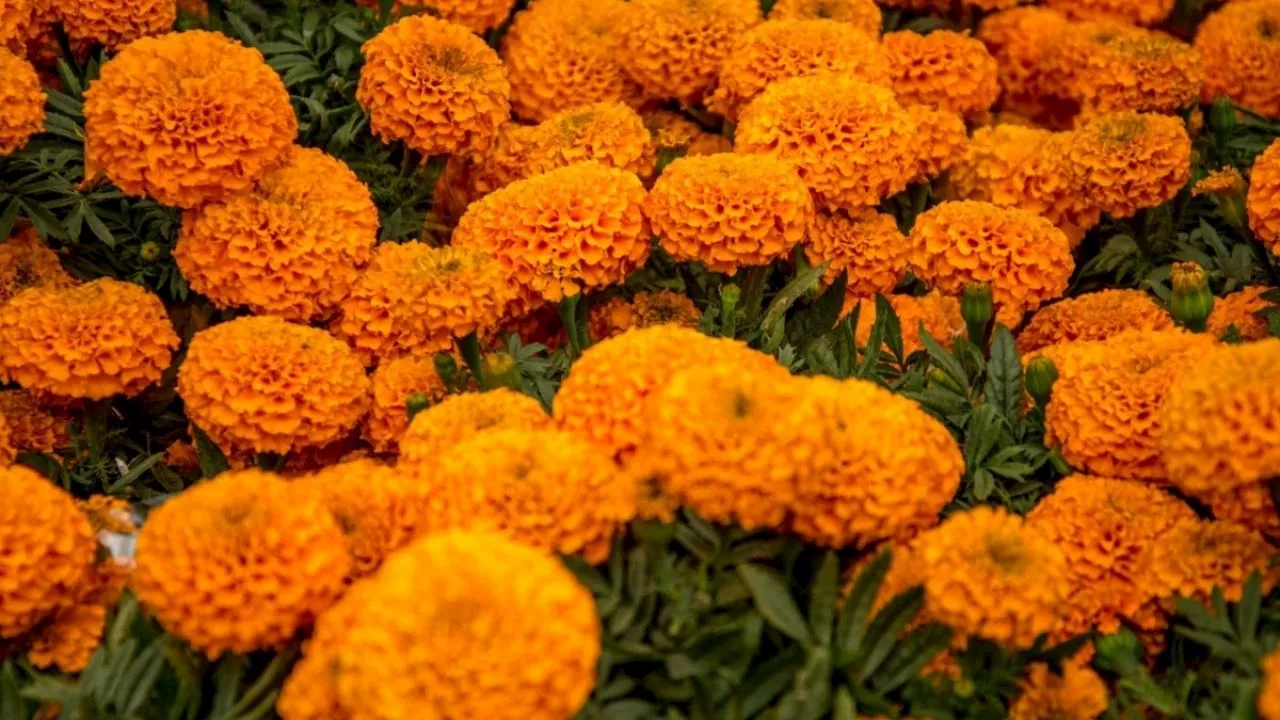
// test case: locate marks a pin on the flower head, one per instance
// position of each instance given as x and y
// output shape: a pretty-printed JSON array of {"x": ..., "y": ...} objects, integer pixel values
[
  {"x": 729, "y": 211},
  {"x": 867, "y": 245},
  {"x": 1264, "y": 197},
  {"x": 475, "y": 15},
  {"x": 23, "y": 101},
  {"x": 861, "y": 14},
  {"x": 944, "y": 70},
  {"x": 1226, "y": 180},
  {"x": 1141, "y": 12},
  {"x": 1109, "y": 67},
  {"x": 393, "y": 383},
  {"x": 941, "y": 140},
  {"x": 1075, "y": 694},
  {"x": 1093, "y": 316},
  {"x": 513, "y": 636},
  {"x": 1196, "y": 557},
  {"x": 95, "y": 340},
  {"x": 1239, "y": 310},
  {"x": 15, "y": 19},
  {"x": 467, "y": 178},
  {"x": 609, "y": 133},
  {"x": 169, "y": 118},
  {"x": 32, "y": 426},
  {"x": 113, "y": 24},
  {"x": 415, "y": 299},
  {"x": 1018, "y": 39},
  {"x": 281, "y": 561},
  {"x": 260, "y": 384},
  {"x": 644, "y": 310},
  {"x": 26, "y": 262},
  {"x": 434, "y": 85},
  {"x": 436, "y": 431},
  {"x": 672, "y": 131},
  {"x": 292, "y": 246},
  {"x": 1130, "y": 161},
  {"x": 865, "y": 155},
  {"x": 1241, "y": 53}
]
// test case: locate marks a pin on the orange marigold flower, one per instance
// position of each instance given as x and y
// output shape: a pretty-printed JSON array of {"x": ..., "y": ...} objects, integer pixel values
[
  {"x": 93, "y": 341},
  {"x": 1241, "y": 55},
  {"x": 393, "y": 383},
  {"x": 730, "y": 440},
  {"x": 1018, "y": 39},
  {"x": 986, "y": 574},
  {"x": 281, "y": 561},
  {"x": 866, "y": 153},
  {"x": 15, "y": 19},
  {"x": 862, "y": 14},
  {"x": 262, "y": 385},
  {"x": 1075, "y": 694},
  {"x": 475, "y": 15},
  {"x": 644, "y": 310},
  {"x": 560, "y": 54},
  {"x": 609, "y": 133},
  {"x": 32, "y": 426},
  {"x": 781, "y": 49},
  {"x": 435, "y": 431},
  {"x": 1269, "y": 694},
  {"x": 944, "y": 69},
  {"x": 471, "y": 598},
  {"x": 1226, "y": 180},
  {"x": 26, "y": 262},
  {"x": 23, "y": 101},
  {"x": 1195, "y": 557},
  {"x": 49, "y": 550},
  {"x": 541, "y": 487},
  {"x": 8, "y": 446},
  {"x": 416, "y": 299},
  {"x": 563, "y": 232},
  {"x": 672, "y": 131},
  {"x": 729, "y": 211},
  {"x": 937, "y": 313},
  {"x": 468, "y": 178},
  {"x": 1023, "y": 257},
  {"x": 292, "y": 246},
  {"x": 434, "y": 85},
  {"x": 169, "y": 118},
  {"x": 674, "y": 48},
  {"x": 1264, "y": 196},
  {"x": 1141, "y": 12},
  {"x": 110, "y": 23},
  {"x": 867, "y": 245},
  {"x": 604, "y": 395},
  {"x": 1238, "y": 310},
  {"x": 863, "y": 489},
  {"x": 1130, "y": 161},
  {"x": 941, "y": 140},
  {"x": 1093, "y": 316}
]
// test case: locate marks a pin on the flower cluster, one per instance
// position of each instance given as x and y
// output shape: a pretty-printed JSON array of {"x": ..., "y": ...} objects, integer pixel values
[{"x": 434, "y": 432}]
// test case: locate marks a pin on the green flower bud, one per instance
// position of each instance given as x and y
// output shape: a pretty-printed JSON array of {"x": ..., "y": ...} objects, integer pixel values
[
  {"x": 1118, "y": 651},
  {"x": 1192, "y": 301},
  {"x": 1041, "y": 375},
  {"x": 416, "y": 403},
  {"x": 150, "y": 251},
  {"x": 1222, "y": 115},
  {"x": 977, "y": 309},
  {"x": 501, "y": 370}
]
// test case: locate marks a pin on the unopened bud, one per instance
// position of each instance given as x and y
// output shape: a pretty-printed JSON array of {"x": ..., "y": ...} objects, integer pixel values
[
  {"x": 501, "y": 370},
  {"x": 1041, "y": 375},
  {"x": 150, "y": 251},
  {"x": 416, "y": 403},
  {"x": 977, "y": 310},
  {"x": 1120, "y": 650},
  {"x": 1222, "y": 115},
  {"x": 1192, "y": 302},
  {"x": 938, "y": 377}
]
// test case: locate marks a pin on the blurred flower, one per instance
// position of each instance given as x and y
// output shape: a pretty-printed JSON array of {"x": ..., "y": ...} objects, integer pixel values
[
  {"x": 475, "y": 15},
  {"x": 25, "y": 262},
  {"x": 114, "y": 24},
  {"x": 1197, "y": 557},
  {"x": 861, "y": 14},
  {"x": 937, "y": 313},
  {"x": 1018, "y": 39},
  {"x": 671, "y": 131},
  {"x": 1131, "y": 161},
  {"x": 1241, "y": 55},
  {"x": 436, "y": 431},
  {"x": 1269, "y": 693},
  {"x": 1093, "y": 316},
  {"x": 15, "y": 19},
  {"x": 1075, "y": 694},
  {"x": 1142, "y": 12},
  {"x": 1264, "y": 197},
  {"x": 644, "y": 310},
  {"x": 23, "y": 101},
  {"x": 1239, "y": 310},
  {"x": 33, "y": 427},
  {"x": 393, "y": 383},
  {"x": 944, "y": 69}
]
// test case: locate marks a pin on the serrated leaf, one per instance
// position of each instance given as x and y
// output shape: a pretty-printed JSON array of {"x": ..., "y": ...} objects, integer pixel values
[
  {"x": 875, "y": 341},
  {"x": 211, "y": 458},
  {"x": 770, "y": 679},
  {"x": 774, "y": 602},
  {"x": 919, "y": 648},
  {"x": 774, "y": 318},
  {"x": 1249, "y": 609},
  {"x": 1004, "y": 377},
  {"x": 857, "y": 607},
  {"x": 943, "y": 359},
  {"x": 822, "y": 598},
  {"x": 886, "y": 630}
]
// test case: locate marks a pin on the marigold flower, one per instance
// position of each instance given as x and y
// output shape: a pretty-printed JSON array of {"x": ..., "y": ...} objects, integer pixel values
[
  {"x": 1237, "y": 310},
  {"x": 1141, "y": 12},
  {"x": 1130, "y": 161},
  {"x": 1018, "y": 39},
  {"x": 862, "y": 14},
  {"x": 435, "y": 431},
  {"x": 1023, "y": 257},
  {"x": 23, "y": 101},
  {"x": 475, "y": 15},
  {"x": 609, "y": 133},
  {"x": 1242, "y": 55},
  {"x": 866, "y": 153},
  {"x": 867, "y": 245},
  {"x": 729, "y": 211},
  {"x": 940, "y": 142},
  {"x": 112, "y": 24},
  {"x": 434, "y": 85},
  {"x": 1093, "y": 316},
  {"x": 49, "y": 550},
  {"x": 471, "y": 598},
  {"x": 169, "y": 118},
  {"x": 1264, "y": 196},
  {"x": 563, "y": 232},
  {"x": 8, "y": 446},
  {"x": 644, "y": 310},
  {"x": 415, "y": 299},
  {"x": 15, "y": 18},
  {"x": 1225, "y": 180},
  {"x": 987, "y": 574},
  {"x": 262, "y": 385},
  {"x": 1075, "y": 694},
  {"x": 561, "y": 54},
  {"x": 26, "y": 262},
  {"x": 281, "y": 561},
  {"x": 542, "y": 487},
  {"x": 730, "y": 440},
  {"x": 1269, "y": 694},
  {"x": 944, "y": 70},
  {"x": 863, "y": 489},
  {"x": 603, "y": 396},
  {"x": 292, "y": 246},
  {"x": 1195, "y": 557},
  {"x": 467, "y": 178},
  {"x": 93, "y": 341},
  {"x": 33, "y": 427},
  {"x": 674, "y": 48},
  {"x": 393, "y": 383},
  {"x": 937, "y": 313},
  {"x": 781, "y": 49}
]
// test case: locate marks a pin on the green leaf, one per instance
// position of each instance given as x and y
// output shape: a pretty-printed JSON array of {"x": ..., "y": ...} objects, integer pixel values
[
  {"x": 770, "y": 679},
  {"x": 813, "y": 686},
  {"x": 843, "y": 707},
  {"x": 773, "y": 324},
  {"x": 1250, "y": 608},
  {"x": 857, "y": 607},
  {"x": 943, "y": 359},
  {"x": 875, "y": 342},
  {"x": 212, "y": 460},
  {"x": 350, "y": 29},
  {"x": 774, "y": 602},
  {"x": 886, "y": 629},
  {"x": 822, "y": 598},
  {"x": 629, "y": 710},
  {"x": 983, "y": 484},
  {"x": 1004, "y": 377},
  {"x": 920, "y": 647}
]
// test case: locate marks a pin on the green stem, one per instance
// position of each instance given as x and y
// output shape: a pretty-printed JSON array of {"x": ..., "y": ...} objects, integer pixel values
[
  {"x": 1141, "y": 236},
  {"x": 568, "y": 309},
  {"x": 753, "y": 293},
  {"x": 469, "y": 346}
]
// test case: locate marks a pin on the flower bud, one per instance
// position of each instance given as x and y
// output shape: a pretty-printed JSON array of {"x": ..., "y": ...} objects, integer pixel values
[
  {"x": 501, "y": 370},
  {"x": 416, "y": 403},
  {"x": 1192, "y": 302},
  {"x": 149, "y": 251},
  {"x": 1118, "y": 651},
  {"x": 1222, "y": 115},
  {"x": 977, "y": 310},
  {"x": 1041, "y": 375}
]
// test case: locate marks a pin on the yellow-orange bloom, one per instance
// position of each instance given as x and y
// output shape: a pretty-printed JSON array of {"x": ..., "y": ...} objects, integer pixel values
[
  {"x": 1130, "y": 161},
  {"x": 644, "y": 310},
  {"x": 609, "y": 133},
  {"x": 1269, "y": 693},
  {"x": 22, "y": 99},
  {"x": 884, "y": 467},
  {"x": 435, "y": 431},
  {"x": 26, "y": 262},
  {"x": 944, "y": 70},
  {"x": 867, "y": 245},
  {"x": 292, "y": 246},
  {"x": 416, "y": 299},
  {"x": 1264, "y": 197},
  {"x": 115, "y": 24},
  {"x": 937, "y": 313},
  {"x": 511, "y": 633},
  {"x": 849, "y": 141},
  {"x": 434, "y": 85},
  {"x": 475, "y": 15},
  {"x": 729, "y": 211},
  {"x": 1023, "y": 257},
  {"x": 1223, "y": 181},
  {"x": 674, "y": 48},
  {"x": 468, "y": 178},
  {"x": 262, "y": 385},
  {"x": 95, "y": 340},
  {"x": 941, "y": 140},
  {"x": 1075, "y": 694},
  {"x": 1195, "y": 557},
  {"x": 8, "y": 446},
  {"x": 49, "y": 550},
  {"x": 15, "y": 19},
  {"x": 1018, "y": 39},
  {"x": 862, "y": 14},
  {"x": 169, "y": 117},
  {"x": 1238, "y": 310},
  {"x": 281, "y": 561},
  {"x": 672, "y": 131},
  {"x": 1141, "y": 12},
  {"x": 33, "y": 427},
  {"x": 393, "y": 383},
  {"x": 1093, "y": 316},
  {"x": 1241, "y": 55},
  {"x": 563, "y": 232},
  {"x": 781, "y": 49}
]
